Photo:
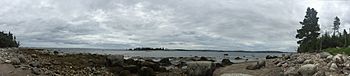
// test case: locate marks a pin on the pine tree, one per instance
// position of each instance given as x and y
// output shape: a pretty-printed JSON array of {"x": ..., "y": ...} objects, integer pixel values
[
  {"x": 345, "y": 36},
  {"x": 336, "y": 24},
  {"x": 8, "y": 40},
  {"x": 309, "y": 32}
]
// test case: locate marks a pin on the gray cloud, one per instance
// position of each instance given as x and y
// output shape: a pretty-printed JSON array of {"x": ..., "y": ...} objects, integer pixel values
[{"x": 194, "y": 24}]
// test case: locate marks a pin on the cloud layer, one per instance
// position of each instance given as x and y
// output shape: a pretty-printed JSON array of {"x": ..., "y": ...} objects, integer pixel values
[{"x": 194, "y": 24}]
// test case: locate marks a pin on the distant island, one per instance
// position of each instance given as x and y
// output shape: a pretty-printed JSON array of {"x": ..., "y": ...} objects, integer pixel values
[{"x": 165, "y": 49}]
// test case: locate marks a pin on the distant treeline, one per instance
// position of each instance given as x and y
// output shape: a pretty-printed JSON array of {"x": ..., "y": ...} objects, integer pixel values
[
  {"x": 309, "y": 34},
  {"x": 8, "y": 40},
  {"x": 147, "y": 48}
]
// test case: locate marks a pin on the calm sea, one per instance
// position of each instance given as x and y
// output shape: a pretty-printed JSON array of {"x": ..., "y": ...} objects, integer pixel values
[{"x": 218, "y": 56}]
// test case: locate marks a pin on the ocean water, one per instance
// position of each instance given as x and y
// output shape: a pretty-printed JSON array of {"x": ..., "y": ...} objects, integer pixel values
[{"x": 157, "y": 55}]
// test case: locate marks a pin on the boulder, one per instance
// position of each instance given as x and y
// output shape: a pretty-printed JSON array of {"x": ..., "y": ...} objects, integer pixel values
[
  {"x": 275, "y": 72},
  {"x": 338, "y": 59},
  {"x": 132, "y": 68},
  {"x": 203, "y": 59},
  {"x": 150, "y": 64},
  {"x": 146, "y": 71},
  {"x": 256, "y": 65},
  {"x": 261, "y": 63},
  {"x": 7, "y": 61},
  {"x": 34, "y": 56},
  {"x": 238, "y": 58},
  {"x": 200, "y": 68},
  {"x": 218, "y": 65},
  {"x": 270, "y": 57},
  {"x": 320, "y": 73},
  {"x": 324, "y": 54},
  {"x": 125, "y": 73},
  {"x": 280, "y": 63},
  {"x": 285, "y": 65},
  {"x": 235, "y": 74},
  {"x": 226, "y": 62},
  {"x": 22, "y": 58},
  {"x": 130, "y": 61},
  {"x": 333, "y": 67},
  {"x": 115, "y": 60},
  {"x": 307, "y": 70},
  {"x": 35, "y": 64},
  {"x": 308, "y": 62},
  {"x": 165, "y": 62},
  {"x": 291, "y": 71},
  {"x": 55, "y": 52},
  {"x": 299, "y": 60},
  {"x": 328, "y": 58},
  {"x": 36, "y": 71},
  {"x": 15, "y": 61}
]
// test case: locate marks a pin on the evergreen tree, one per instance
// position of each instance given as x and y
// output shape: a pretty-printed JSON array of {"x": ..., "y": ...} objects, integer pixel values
[
  {"x": 8, "y": 40},
  {"x": 336, "y": 24},
  {"x": 309, "y": 32},
  {"x": 345, "y": 38}
]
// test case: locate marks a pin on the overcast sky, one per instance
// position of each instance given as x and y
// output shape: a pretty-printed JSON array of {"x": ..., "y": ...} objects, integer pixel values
[{"x": 186, "y": 24}]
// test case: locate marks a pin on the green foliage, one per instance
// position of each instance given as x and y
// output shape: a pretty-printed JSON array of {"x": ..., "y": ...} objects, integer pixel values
[
  {"x": 336, "y": 24},
  {"x": 309, "y": 32},
  {"x": 339, "y": 40},
  {"x": 8, "y": 40},
  {"x": 335, "y": 51},
  {"x": 334, "y": 43}
]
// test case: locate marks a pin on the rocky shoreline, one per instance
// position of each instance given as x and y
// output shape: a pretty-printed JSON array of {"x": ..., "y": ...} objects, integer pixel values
[
  {"x": 298, "y": 64},
  {"x": 27, "y": 61}
]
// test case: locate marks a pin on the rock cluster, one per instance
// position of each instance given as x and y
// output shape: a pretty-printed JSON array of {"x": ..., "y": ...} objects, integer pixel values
[
  {"x": 169, "y": 66},
  {"x": 257, "y": 65},
  {"x": 41, "y": 62},
  {"x": 314, "y": 64}
]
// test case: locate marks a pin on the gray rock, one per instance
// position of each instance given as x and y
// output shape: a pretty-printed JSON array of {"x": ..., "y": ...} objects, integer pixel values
[
  {"x": 15, "y": 61},
  {"x": 22, "y": 58},
  {"x": 285, "y": 65},
  {"x": 324, "y": 54},
  {"x": 131, "y": 68},
  {"x": 338, "y": 59},
  {"x": 307, "y": 70},
  {"x": 200, "y": 68},
  {"x": 256, "y": 65},
  {"x": 280, "y": 63},
  {"x": 235, "y": 74},
  {"x": 308, "y": 62},
  {"x": 261, "y": 63},
  {"x": 125, "y": 73},
  {"x": 291, "y": 71},
  {"x": 226, "y": 62},
  {"x": 145, "y": 71},
  {"x": 329, "y": 57},
  {"x": 333, "y": 67},
  {"x": 299, "y": 60},
  {"x": 36, "y": 71},
  {"x": 320, "y": 73},
  {"x": 7, "y": 61},
  {"x": 34, "y": 56},
  {"x": 35, "y": 64},
  {"x": 115, "y": 60},
  {"x": 275, "y": 72},
  {"x": 165, "y": 61}
]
